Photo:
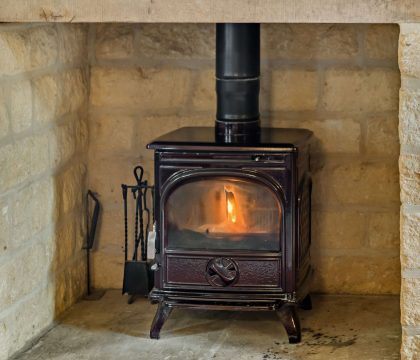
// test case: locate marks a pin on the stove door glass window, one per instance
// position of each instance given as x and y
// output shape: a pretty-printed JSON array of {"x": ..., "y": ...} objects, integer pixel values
[{"x": 223, "y": 213}]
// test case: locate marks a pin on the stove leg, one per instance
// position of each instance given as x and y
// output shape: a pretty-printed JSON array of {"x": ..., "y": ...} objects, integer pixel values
[
  {"x": 290, "y": 320},
  {"x": 306, "y": 303},
  {"x": 162, "y": 313}
]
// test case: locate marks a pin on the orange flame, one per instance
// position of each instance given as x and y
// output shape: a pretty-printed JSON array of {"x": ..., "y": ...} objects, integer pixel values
[{"x": 231, "y": 211}]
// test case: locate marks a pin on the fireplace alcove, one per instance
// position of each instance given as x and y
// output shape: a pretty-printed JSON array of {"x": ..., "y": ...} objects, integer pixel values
[{"x": 407, "y": 135}]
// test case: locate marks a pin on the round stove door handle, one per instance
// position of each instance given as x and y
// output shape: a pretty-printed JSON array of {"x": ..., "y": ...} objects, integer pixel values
[{"x": 222, "y": 272}]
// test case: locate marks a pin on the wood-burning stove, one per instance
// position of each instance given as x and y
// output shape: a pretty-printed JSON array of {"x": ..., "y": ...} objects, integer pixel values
[
  {"x": 233, "y": 223},
  {"x": 233, "y": 202}
]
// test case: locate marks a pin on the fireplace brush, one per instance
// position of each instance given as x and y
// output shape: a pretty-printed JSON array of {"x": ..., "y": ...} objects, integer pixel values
[{"x": 138, "y": 279}]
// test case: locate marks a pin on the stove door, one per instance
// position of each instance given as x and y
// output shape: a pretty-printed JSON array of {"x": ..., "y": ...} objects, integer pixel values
[{"x": 220, "y": 212}]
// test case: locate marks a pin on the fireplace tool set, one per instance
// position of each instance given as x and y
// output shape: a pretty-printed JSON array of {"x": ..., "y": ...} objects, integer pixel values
[{"x": 137, "y": 273}]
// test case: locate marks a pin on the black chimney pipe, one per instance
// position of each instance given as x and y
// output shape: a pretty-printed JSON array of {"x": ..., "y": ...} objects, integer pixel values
[{"x": 237, "y": 82}]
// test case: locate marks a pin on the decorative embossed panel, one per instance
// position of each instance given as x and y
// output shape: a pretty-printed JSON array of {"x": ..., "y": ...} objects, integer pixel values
[{"x": 183, "y": 270}]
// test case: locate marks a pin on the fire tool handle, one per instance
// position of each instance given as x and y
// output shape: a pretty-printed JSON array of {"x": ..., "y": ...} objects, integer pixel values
[
  {"x": 124, "y": 192},
  {"x": 138, "y": 174}
]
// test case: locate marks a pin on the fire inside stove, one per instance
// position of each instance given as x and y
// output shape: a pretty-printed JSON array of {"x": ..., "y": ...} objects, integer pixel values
[{"x": 223, "y": 214}]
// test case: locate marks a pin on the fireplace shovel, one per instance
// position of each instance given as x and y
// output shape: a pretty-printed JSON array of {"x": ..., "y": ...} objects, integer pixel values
[{"x": 138, "y": 279}]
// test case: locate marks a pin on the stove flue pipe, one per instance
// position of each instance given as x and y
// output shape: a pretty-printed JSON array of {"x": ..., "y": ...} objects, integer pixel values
[{"x": 237, "y": 82}]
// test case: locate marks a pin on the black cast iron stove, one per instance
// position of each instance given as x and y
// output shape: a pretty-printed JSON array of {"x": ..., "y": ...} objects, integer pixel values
[{"x": 233, "y": 202}]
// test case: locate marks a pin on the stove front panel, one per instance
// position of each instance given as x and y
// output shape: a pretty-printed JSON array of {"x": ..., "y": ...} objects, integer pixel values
[{"x": 223, "y": 220}]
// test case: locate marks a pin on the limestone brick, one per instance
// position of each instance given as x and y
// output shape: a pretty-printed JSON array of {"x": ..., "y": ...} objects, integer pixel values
[
  {"x": 5, "y": 226},
  {"x": 112, "y": 259},
  {"x": 309, "y": 41},
  {"x": 409, "y": 53},
  {"x": 410, "y": 178},
  {"x": 177, "y": 41},
  {"x": 72, "y": 92},
  {"x": 113, "y": 135},
  {"x": 62, "y": 142},
  {"x": 21, "y": 106},
  {"x": 409, "y": 126},
  {"x": 204, "y": 94},
  {"x": 114, "y": 41},
  {"x": 330, "y": 135},
  {"x": 81, "y": 132},
  {"x": 369, "y": 90},
  {"x": 43, "y": 46},
  {"x": 290, "y": 90},
  {"x": 39, "y": 157},
  {"x": 45, "y": 95},
  {"x": 106, "y": 176},
  {"x": 73, "y": 41},
  {"x": 148, "y": 89},
  {"x": 4, "y": 116},
  {"x": 349, "y": 235},
  {"x": 410, "y": 299},
  {"x": 360, "y": 183},
  {"x": 64, "y": 242},
  {"x": 410, "y": 243},
  {"x": 383, "y": 231},
  {"x": 410, "y": 348},
  {"x": 14, "y": 53},
  {"x": 382, "y": 136},
  {"x": 42, "y": 205},
  {"x": 21, "y": 326},
  {"x": 165, "y": 124},
  {"x": 357, "y": 274},
  {"x": 381, "y": 42},
  {"x": 17, "y": 271}
]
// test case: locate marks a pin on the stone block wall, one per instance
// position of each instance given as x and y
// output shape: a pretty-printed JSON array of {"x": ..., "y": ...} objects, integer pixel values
[
  {"x": 341, "y": 81},
  {"x": 43, "y": 146},
  {"x": 409, "y": 127}
]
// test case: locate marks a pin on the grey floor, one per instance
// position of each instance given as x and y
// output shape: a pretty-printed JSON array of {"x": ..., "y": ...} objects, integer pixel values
[{"x": 338, "y": 327}]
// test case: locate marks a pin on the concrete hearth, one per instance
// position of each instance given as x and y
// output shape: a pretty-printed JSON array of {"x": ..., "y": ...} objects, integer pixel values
[{"x": 339, "y": 327}]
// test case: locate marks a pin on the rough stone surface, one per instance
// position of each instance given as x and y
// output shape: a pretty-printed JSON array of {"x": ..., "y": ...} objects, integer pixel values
[
  {"x": 290, "y": 90},
  {"x": 370, "y": 90},
  {"x": 113, "y": 136},
  {"x": 410, "y": 179},
  {"x": 330, "y": 135},
  {"x": 356, "y": 183},
  {"x": 176, "y": 41},
  {"x": 309, "y": 42},
  {"x": 383, "y": 231},
  {"x": 410, "y": 348},
  {"x": 21, "y": 106},
  {"x": 381, "y": 136},
  {"x": 410, "y": 244},
  {"x": 45, "y": 95},
  {"x": 43, "y": 46},
  {"x": 410, "y": 299},
  {"x": 349, "y": 235},
  {"x": 114, "y": 41},
  {"x": 111, "y": 328},
  {"x": 14, "y": 54},
  {"x": 204, "y": 96},
  {"x": 145, "y": 88},
  {"x": 4, "y": 116},
  {"x": 43, "y": 134},
  {"x": 409, "y": 53},
  {"x": 409, "y": 126},
  {"x": 382, "y": 42},
  {"x": 357, "y": 274}
]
